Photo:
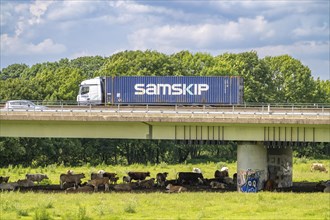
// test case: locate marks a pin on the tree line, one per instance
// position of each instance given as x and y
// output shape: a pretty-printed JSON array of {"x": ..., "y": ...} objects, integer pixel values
[{"x": 279, "y": 79}]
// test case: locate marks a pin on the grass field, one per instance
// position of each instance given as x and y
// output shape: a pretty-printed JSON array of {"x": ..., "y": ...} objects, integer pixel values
[{"x": 190, "y": 205}]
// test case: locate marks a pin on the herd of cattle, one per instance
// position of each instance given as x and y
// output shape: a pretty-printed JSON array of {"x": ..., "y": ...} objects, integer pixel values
[{"x": 72, "y": 182}]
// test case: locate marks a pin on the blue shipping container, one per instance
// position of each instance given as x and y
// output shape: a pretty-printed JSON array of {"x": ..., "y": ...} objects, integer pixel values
[{"x": 213, "y": 90}]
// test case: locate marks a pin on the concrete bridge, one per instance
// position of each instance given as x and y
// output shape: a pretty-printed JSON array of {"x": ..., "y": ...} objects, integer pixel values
[{"x": 264, "y": 135}]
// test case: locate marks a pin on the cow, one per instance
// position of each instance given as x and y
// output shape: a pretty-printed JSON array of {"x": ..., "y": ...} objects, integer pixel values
[
  {"x": 25, "y": 183},
  {"x": 125, "y": 186},
  {"x": 138, "y": 175},
  {"x": 96, "y": 176},
  {"x": 8, "y": 186},
  {"x": 113, "y": 180},
  {"x": 235, "y": 178},
  {"x": 161, "y": 178},
  {"x": 100, "y": 181},
  {"x": 318, "y": 166},
  {"x": 175, "y": 189},
  {"x": 221, "y": 173},
  {"x": 148, "y": 184},
  {"x": 69, "y": 172},
  {"x": 71, "y": 178},
  {"x": 189, "y": 178},
  {"x": 126, "y": 179},
  {"x": 228, "y": 181},
  {"x": 196, "y": 170},
  {"x": 102, "y": 173},
  {"x": 4, "y": 179},
  {"x": 217, "y": 185},
  {"x": 36, "y": 177},
  {"x": 269, "y": 185}
]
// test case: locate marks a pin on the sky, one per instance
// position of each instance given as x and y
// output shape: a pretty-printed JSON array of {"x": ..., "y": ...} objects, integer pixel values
[{"x": 45, "y": 30}]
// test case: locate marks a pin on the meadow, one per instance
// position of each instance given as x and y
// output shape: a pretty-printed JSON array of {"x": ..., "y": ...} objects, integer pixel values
[{"x": 158, "y": 205}]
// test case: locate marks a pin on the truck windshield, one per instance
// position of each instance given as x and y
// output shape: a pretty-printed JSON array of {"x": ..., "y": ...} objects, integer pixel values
[{"x": 84, "y": 90}]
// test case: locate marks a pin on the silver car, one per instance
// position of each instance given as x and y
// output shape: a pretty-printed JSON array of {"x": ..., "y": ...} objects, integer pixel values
[{"x": 23, "y": 104}]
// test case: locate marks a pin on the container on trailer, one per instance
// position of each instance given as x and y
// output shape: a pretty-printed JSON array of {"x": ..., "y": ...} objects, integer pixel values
[{"x": 213, "y": 90}]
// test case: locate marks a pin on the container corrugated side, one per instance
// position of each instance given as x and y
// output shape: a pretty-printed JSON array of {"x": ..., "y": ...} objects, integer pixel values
[{"x": 174, "y": 90}]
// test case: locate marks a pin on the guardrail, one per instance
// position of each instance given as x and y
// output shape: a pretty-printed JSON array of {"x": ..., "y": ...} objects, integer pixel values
[{"x": 200, "y": 111}]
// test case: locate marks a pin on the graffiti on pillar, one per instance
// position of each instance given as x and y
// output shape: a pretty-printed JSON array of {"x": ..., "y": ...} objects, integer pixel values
[
  {"x": 280, "y": 170},
  {"x": 250, "y": 180}
]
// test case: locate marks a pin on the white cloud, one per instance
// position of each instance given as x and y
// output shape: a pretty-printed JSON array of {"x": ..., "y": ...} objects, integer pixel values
[
  {"x": 15, "y": 46},
  {"x": 202, "y": 35},
  {"x": 38, "y": 9}
]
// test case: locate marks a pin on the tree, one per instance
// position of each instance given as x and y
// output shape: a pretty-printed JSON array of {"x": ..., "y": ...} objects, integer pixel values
[{"x": 293, "y": 80}]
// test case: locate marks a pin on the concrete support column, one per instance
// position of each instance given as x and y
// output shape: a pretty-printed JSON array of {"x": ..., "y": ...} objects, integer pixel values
[
  {"x": 280, "y": 166},
  {"x": 251, "y": 167}
]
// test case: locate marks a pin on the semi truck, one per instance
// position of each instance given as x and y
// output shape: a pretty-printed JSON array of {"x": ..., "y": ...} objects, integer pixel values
[{"x": 162, "y": 90}]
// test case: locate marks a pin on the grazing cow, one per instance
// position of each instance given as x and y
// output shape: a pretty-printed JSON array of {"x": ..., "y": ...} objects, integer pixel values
[
  {"x": 269, "y": 185},
  {"x": 217, "y": 185},
  {"x": 71, "y": 178},
  {"x": 25, "y": 183},
  {"x": 148, "y": 184},
  {"x": 100, "y": 181},
  {"x": 318, "y": 166},
  {"x": 175, "y": 189},
  {"x": 196, "y": 170},
  {"x": 36, "y": 177},
  {"x": 221, "y": 173},
  {"x": 8, "y": 186},
  {"x": 138, "y": 175},
  {"x": 189, "y": 178},
  {"x": 4, "y": 179}
]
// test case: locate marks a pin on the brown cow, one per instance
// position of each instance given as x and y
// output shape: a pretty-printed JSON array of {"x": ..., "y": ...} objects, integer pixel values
[
  {"x": 100, "y": 181},
  {"x": 71, "y": 178},
  {"x": 161, "y": 178},
  {"x": 102, "y": 173},
  {"x": 138, "y": 175},
  {"x": 175, "y": 189},
  {"x": 147, "y": 183},
  {"x": 269, "y": 185}
]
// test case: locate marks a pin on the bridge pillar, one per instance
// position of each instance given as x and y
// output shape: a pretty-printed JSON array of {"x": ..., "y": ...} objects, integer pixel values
[
  {"x": 280, "y": 166},
  {"x": 251, "y": 166}
]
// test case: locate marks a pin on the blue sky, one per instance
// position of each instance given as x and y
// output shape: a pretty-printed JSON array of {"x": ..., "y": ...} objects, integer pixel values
[{"x": 39, "y": 31}]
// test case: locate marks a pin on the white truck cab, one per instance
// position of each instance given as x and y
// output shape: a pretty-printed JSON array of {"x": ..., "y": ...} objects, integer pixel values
[{"x": 91, "y": 92}]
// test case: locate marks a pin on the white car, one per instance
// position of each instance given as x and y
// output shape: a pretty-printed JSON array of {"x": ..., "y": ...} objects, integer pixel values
[{"x": 23, "y": 104}]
